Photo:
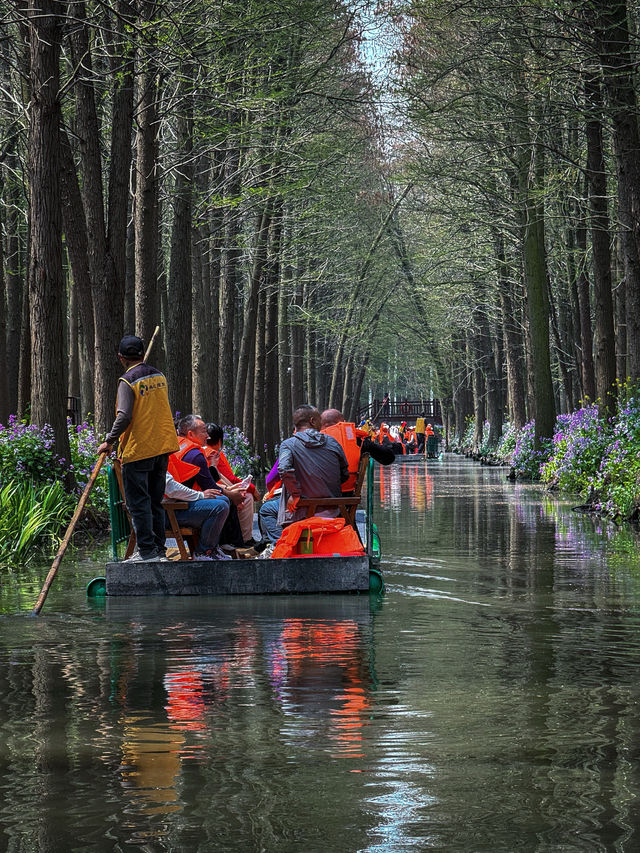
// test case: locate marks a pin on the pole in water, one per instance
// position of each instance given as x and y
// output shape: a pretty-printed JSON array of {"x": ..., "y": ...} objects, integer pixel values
[{"x": 67, "y": 536}]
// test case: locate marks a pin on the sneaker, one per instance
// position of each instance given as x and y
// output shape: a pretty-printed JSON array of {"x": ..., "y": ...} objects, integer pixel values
[
  {"x": 134, "y": 558},
  {"x": 201, "y": 558},
  {"x": 219, "y": 554}
]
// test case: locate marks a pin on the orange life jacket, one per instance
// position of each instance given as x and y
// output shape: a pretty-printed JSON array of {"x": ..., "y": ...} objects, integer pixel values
[
  {"x": 272, "y": 491},
  {"x": 330, "y": 536},
  {"x": 345, "y": 434},
  {"x": 179, "y": 469}
]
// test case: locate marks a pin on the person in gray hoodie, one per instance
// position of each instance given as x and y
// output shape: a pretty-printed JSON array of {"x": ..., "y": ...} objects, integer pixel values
[{"x": 311, "y": 465}]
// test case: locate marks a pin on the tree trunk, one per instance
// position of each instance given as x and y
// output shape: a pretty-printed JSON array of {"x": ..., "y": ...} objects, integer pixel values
[
  {"x": 512, "y": 334},
  {"x": 108, "y": 298},
  {"x": 179, "y": 320},
  {"x": 255, "y": 417},
  {"x": 271, "y": 374},
  {"x": 230, "y": 279},
  {"x": 4, "y": 385},
  {"x": 531, "y": 176},
  {"x": 247, "y": 343},
  {"x": 619, "y": 67},
  {"x": 147, "y": 296},
  {"x": 604, "y": 335},
  {"x": 46, "y": 278}
]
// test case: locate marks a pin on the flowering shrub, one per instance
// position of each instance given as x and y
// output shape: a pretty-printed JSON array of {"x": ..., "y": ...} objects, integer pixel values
[
  {"x": 84, "y": 453},
  {"x": 526, "y": 461},
  {"x": 507, "y": 444},
  {"x": 27, "y": 452},
  {"x": 618, "y": 482},
  {"x": 579, "y": 444},
  {"x": 239, "y": 453}
]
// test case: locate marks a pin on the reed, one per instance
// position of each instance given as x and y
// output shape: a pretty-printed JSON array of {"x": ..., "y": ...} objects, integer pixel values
[{"x": 31, "y": 518}]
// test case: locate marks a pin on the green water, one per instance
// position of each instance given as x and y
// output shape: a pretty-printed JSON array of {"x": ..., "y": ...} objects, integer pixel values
[{"x": 488, "y": 703}]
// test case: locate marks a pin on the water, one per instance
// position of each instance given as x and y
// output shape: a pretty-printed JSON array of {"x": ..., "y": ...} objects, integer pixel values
[{"x": 488, "y": 703}]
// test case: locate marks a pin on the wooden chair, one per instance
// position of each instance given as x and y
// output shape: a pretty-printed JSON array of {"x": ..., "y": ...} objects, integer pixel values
[
  {"x": 346, "y": 504},
  {"x": 186, "y": 537}
]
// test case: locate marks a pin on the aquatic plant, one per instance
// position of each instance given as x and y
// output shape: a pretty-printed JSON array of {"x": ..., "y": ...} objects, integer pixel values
[
  {"x": 579, "y": 443},
  {"x": 31, "y": 516},
  {"x": 239, "y": 452}
]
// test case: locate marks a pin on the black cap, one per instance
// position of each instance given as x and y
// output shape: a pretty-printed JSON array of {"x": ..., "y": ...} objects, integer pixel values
[{"x": 131, "y": 347}]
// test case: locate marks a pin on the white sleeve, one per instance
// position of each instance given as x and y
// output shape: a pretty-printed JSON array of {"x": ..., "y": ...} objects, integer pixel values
[{"x": 176, "y": 491}]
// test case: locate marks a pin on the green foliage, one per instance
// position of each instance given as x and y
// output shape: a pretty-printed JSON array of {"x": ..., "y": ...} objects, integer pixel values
[
  {"x": 579, "y": 443},
  {"x": 30, "y": 517},
  {"x": 617, "y": 484},
  {"x": 239, "y": 453},
  {"x": 84, "y": 453},
  {"x": 507, "y": 444},
  {"x": 27, "y": 451},
  {"x": 526, "y": 460}
]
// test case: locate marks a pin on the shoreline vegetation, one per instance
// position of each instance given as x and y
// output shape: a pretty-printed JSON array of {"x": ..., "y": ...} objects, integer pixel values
[
  {"x": 592, "y": 456},
  {"x": 36, "y": 500}
]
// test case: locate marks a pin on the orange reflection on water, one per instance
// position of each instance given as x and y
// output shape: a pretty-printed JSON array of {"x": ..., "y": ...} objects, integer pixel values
[
  {"x": 406, "y": 478},
  {"x": 151, "y": 763},
  {"x": 321, "y": 663}
]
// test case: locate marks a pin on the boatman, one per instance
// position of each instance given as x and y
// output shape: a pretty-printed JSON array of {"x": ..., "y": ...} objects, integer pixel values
[
  {"x": 146, "y": 433},
  {"x": 420, "y": 431}
]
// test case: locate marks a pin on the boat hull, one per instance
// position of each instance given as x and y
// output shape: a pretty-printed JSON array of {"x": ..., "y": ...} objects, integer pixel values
[{"x": 239, "y": 577}]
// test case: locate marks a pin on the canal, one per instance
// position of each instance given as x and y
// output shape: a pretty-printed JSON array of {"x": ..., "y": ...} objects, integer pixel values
[{"x": 488, "y": 702}]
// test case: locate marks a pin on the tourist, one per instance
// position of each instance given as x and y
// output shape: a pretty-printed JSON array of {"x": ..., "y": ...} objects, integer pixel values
[
  {"x": 207, "y": 512},
  {"x": 311, "y": 465}
]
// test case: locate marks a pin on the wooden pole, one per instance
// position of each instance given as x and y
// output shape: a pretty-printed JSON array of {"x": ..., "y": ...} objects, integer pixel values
[
  {"x": 76, "y": 515},
  {"x": 67, "y": 536}
]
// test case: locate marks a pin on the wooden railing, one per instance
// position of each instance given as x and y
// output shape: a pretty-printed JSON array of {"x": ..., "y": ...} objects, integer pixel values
[{"x": 396, "y": 411}]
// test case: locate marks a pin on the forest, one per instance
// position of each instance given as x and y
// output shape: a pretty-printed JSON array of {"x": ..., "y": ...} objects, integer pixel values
[{"x": 319, "y": 200}]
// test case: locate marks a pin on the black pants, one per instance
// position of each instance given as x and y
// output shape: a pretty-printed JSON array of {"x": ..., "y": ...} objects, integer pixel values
[
  {"x": 420, "y": 437},
  {"x": 144, "y": 484}
]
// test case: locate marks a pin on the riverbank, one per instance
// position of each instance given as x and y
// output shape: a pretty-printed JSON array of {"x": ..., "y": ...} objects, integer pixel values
[{"x": 597, "y": 459}]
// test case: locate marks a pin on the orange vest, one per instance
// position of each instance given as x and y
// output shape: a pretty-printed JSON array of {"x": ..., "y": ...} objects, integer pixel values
[
  {"x": 181, "y": 470},
  {"x": 345, "y": 435},
  {"x": 272, "y": 491}
]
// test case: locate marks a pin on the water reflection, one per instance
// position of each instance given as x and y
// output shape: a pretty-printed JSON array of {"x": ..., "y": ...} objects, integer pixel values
[{"x": 488, "y": 703}]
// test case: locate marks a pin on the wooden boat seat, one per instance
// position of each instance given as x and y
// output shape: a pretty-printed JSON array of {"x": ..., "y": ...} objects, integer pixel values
[
  {"x": 186, "y": 537},
  {"x": 346, "y": 504}
]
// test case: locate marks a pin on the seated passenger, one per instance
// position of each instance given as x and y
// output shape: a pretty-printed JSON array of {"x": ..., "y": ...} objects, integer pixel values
[
  {"x": 190, "y": 467},
  {"x": 311, "y": 465},
  {"x": 207, "y": 513},
  {"x": 227, "y": 480},
  {"x": 268, "y": 512}
]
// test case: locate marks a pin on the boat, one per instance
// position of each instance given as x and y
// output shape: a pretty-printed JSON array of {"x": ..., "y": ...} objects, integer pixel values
[{"x": 257, "y": 576}]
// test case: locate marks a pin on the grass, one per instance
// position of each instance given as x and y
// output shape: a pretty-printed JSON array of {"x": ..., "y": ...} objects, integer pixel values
[{"x": 31, "y": 518}]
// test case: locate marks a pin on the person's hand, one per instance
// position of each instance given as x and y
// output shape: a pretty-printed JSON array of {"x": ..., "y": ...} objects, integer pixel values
[
  {"x": 105, "y": 447},
  {"x": 257, "y": 496},
  {"x": 236, "y": 493},
  {"x": 292, "y": 503},
  {"x": 211, "y": 493}
]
